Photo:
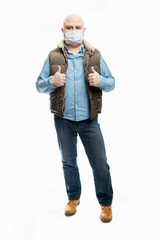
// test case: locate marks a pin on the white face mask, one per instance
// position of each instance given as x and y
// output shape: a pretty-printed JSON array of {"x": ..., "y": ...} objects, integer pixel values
[{"x": 74, "y": 37}]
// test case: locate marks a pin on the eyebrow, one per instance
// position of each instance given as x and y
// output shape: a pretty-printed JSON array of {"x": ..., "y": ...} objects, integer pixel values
[{"x": 72, "y": 26}]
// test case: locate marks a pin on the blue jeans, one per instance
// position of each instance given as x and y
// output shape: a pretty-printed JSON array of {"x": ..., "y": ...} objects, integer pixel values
[{"x": 92, "y": 139}]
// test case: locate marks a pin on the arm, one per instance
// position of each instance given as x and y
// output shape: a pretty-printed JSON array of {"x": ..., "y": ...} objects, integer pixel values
[
  {"x": 107, "y": 81},
  {"x": 43, "y": 83}
]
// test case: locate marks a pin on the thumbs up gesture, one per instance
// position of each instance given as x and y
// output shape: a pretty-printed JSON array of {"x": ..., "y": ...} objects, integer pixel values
[
  {"x": 94, "y": 78},
  {"x": 58, "y": 78}
]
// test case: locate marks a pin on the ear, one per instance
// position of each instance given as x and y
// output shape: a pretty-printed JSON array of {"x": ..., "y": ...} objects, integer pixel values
[
  {"x": 84, "y": 30},
  {"x": 63, "y": 32}
]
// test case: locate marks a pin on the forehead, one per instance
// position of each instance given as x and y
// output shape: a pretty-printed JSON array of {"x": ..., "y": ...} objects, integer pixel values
[{"x": 73, "y": 21}]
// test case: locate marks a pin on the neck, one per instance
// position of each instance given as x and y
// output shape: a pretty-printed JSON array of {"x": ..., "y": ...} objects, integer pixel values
[{"x": 74, "y": 47}]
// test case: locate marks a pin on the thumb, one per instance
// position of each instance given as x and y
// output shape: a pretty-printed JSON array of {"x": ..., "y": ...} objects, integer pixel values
[
  {"x": 59, "y": 69},
  {"x": 92, "y": 69}
]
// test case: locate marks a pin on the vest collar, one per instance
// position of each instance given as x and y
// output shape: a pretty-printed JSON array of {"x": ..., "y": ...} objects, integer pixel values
[
  {"x": 61, "y": 45},
  {"x": 87, "y": 46}
]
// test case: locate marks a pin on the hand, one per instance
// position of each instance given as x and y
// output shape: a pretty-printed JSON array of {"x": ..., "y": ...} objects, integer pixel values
[
  {"x": 94, "y": 78},
  {"x": 58, "y": 78}
]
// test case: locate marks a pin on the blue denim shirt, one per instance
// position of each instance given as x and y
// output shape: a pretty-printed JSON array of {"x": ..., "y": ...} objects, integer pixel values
[{"x": 76, "y": 97}]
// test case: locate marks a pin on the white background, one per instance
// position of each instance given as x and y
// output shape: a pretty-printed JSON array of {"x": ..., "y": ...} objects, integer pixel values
[{"x": 32, "y": 190}]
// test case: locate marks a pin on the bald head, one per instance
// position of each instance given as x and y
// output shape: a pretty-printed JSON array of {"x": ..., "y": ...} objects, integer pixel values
[{"x": 73, "y": 19}]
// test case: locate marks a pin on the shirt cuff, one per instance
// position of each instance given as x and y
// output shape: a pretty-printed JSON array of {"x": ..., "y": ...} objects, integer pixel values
[
  {"x": 51, "y": 84},
  {"x": 102, "y": 84}
]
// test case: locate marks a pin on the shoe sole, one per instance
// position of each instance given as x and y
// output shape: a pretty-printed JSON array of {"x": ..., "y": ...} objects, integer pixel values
[
  {"x": 105, "y": 220},
  {"x": 70, "y": 214}
]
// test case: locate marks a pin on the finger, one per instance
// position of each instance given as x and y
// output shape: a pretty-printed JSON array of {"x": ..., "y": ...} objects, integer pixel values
[
  {"x": 90, "y": 78},
  {"x": 91, "y": 74},
  {"x": 63, "y": 77},
  {"x": 62, "y": 81},
  {"x": 90, "y": 81},
  {"x": 59, "y": 69},
  {"x": 92, "y": 69}
]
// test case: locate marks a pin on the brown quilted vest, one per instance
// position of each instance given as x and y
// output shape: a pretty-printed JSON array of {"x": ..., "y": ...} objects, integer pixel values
[{"x": 58, "y": 56}]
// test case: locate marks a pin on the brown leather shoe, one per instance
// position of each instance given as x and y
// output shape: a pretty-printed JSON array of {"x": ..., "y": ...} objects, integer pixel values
[
  {"x": 106, "y": 213},
  {"x": 71, "y": 206}
]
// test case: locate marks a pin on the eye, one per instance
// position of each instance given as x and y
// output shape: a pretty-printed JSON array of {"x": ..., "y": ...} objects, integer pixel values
[{"x": 68, "y": 27}]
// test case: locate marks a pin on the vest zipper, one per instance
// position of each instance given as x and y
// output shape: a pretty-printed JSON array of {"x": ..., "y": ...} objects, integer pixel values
[{"x": 63, "y": 106}]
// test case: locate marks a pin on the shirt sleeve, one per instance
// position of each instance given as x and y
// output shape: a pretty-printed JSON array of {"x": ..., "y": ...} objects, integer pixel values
[
  {"x": 107, "y": 82},
  {"x": 43, "y": 83}
]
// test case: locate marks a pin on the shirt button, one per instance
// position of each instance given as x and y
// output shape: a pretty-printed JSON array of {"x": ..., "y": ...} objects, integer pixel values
[
  {"x": 75, "y": 81},
  {"x": 76, "y": 105},
  {"x": 75, "y": 70},
  {"x": 76, "y": 93}
]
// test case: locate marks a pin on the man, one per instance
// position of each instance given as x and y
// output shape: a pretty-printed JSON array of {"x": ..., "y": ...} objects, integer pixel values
[{"x": 75, "y": 74}]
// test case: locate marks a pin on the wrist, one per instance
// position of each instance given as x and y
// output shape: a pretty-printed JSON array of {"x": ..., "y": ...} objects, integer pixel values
[{"x": 52, "y": 80}]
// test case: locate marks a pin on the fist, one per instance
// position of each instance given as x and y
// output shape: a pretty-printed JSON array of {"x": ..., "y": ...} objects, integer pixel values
[
  {"x": 94, "y": 78},
  {"x": 58, "y": 79}
]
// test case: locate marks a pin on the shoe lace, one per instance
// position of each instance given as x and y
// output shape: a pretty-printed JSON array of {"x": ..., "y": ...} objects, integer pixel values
[
  {"x": 72, "y": 202},
  {"x": 107, "y": 208}
]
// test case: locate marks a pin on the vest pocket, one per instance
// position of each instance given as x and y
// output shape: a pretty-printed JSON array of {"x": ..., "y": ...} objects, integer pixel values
[
  {"x": 98, "y": 104},
  {"x": 54, "y": 104}
]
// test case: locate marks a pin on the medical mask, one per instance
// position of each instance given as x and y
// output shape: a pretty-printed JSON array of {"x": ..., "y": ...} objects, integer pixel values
[{"x": 74, "y": 37}]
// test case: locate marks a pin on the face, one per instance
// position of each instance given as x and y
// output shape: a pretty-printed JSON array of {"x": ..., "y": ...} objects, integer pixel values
[{"x": 73, "y": 22}]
